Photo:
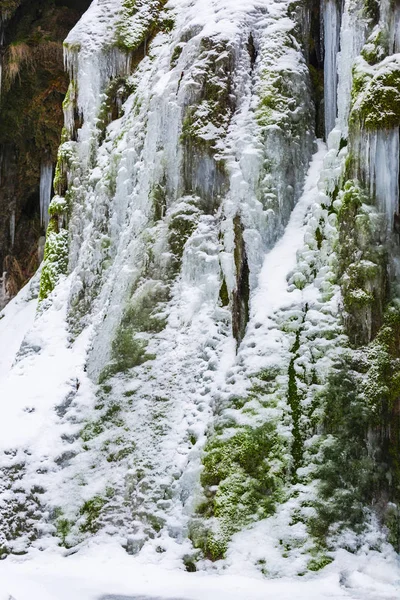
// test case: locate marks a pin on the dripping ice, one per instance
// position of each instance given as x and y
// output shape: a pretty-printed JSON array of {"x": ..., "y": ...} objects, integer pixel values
[
  {"x": 384, "y": 148},
  {"x": 46, "y": 188},
  {"x": 331, "y": 27}
]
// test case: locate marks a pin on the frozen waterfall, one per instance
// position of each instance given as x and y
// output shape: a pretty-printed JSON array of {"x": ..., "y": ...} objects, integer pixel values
[
  {"x": 384, "y": 149},
  {"x": 353, "y": 31},
  {"x": 331, "y": 21}
]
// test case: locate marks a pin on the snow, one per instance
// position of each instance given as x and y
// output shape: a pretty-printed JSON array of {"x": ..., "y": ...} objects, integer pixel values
[
  {"x": 272, "y": 293},
  {"x": 15, "y": 320},
  {"x": 109, "y": 574}
]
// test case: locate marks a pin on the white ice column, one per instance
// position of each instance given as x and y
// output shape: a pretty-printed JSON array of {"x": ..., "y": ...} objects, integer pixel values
[
  {"x": 353, "y": 33},
  {"x": 331, "y": 23},
  {"x": 46, "y": 188},
  {"x": 384, "y": 150}
]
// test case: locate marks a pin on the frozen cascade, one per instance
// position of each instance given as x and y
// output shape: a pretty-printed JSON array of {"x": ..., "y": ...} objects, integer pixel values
[
  {"x": 91, "y": 65},
  {"x": 384, "y": 151},
  {"x": 144, "y": 160},
  {"x": 389, "y": 22},
  {"x": 46, "y": 189},
  {"x": 331, "y": 23},
  {"x": 189, "y": 293},
  {"x": 379, "y": 168},
  {"x": 352, "y": 38}
]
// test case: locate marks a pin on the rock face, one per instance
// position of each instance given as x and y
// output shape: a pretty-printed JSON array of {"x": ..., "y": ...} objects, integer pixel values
[
  {"x": 33, "y": 85},
  {"x": 215, "y": 359}
]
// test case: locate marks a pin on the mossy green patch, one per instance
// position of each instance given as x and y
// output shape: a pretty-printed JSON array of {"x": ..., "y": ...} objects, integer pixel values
[
  {"x": 128, "y": 351},
  {"x": 208, "y": 118},
  {"x": 143, "y": 311},
  {"x": 90, "y": 511},
  {"x": 358, "y": 462},
  {"x": 242, "y": 478},
  {"x": 55, "y": 258},
  {"x": 362, "y": 264},
  {"x": 117, "y": 92},
  {"x": 376, "y": 96},
  {"x": 139, "y": 22},
  {"x": 182, "y": 222}
]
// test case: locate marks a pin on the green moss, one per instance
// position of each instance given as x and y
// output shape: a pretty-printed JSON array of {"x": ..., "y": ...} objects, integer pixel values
[
  {"x": 242, "y": 483},
  {"x": 377, "y": 98},
  {"x": 208, "y": 118},
  {"x": 55, "y": 261},
  {"x": 63, "y": 527},
  {"x": 392, "y": 523},
  {"x": 294, "y": 401},
  {"x": 376, "y": 48},
  {"x": 128, "y": 352},
  {"x": 95, "y": 428},
  {"x": 362, "y": 264},
  {"x": 158, "y": 197},
  {"x": 8, "y": 7},
  {"x": 277, "y": 101},
  {"x": 92, "y": 430},
  {"x": 224, "y": 294},
  {"x": 143, "y": 311},
  {"x": 58, "y": 206},
  {"x": 140, "y": 21},
  {"x": 319, "y": 237},
  {"x": 120, "y": 454},
  {"x": 372, "y": 10},
  {"x": 118, "y": 91},
  {"x": 65, "y": 162},
  {"x": 91, "y": 511},
  {"x": 358, "y": 461},
  {"x": 176, "y": 54},
  {"x": 182, "y": 223},
  {"x": 318, "y": 563}
]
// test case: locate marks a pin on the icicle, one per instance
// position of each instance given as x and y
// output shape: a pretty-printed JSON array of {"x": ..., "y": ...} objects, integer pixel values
[
  {"x": 396, "y": 29},
  {"x": 352, "y": 38},
  {"x": 12, "y": 228},
  {"x": 331, "y": 21},
  {"x": 90, "y": 72},
  {"x": 46, "y": 188},
  {"x": 383, "y": 150}
]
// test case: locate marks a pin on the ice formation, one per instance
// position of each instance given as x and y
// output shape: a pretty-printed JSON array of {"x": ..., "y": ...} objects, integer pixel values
[
  {"x": 46, "y": 189},
  {"x": 209, "y": 265},
  {"x": 331, "y": 22}
]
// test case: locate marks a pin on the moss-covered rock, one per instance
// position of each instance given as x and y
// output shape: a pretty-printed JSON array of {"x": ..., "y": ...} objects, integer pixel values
[
  {"x": 242, "y": 478},
  {"x": 362, "y": 264},
  {"x": 358, "y": 464},
  {"x": 55, "y": 258},
  {"x": 376, "y": 95},
  {"x": 140, "y": 21}
]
